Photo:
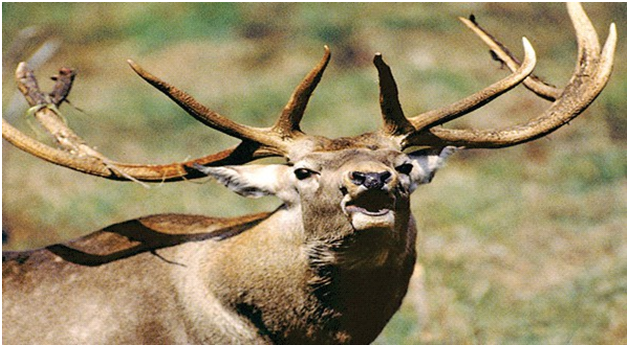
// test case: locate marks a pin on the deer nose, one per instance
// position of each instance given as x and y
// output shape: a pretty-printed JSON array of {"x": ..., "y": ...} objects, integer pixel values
[{"x": 370, "y": 180}]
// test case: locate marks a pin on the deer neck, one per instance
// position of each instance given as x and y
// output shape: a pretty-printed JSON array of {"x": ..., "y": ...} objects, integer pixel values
[
  {"x": 332, "y": 241},
  {"x": 362, "y": 277},
  {"x": 327, "y": 289}
]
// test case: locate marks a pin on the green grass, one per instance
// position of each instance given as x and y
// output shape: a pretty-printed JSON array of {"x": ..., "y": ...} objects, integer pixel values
[{"x": 525, "y": 245}]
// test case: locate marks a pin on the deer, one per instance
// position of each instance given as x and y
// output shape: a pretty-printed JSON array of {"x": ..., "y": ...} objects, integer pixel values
[{"x": 331, "y": 264}]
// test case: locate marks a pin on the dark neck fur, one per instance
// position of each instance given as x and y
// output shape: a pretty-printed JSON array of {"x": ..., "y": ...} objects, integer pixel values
[{"x": 361, "y": 280}]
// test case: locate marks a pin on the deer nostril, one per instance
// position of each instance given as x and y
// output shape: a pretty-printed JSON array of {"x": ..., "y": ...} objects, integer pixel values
[
  {"x": 384, "y": 176},
  {"x": 358, "y": 178}
]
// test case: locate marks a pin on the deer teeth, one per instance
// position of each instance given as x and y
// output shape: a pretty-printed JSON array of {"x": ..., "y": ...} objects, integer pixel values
[
  {"x": 380, "y": 212},
  {"x": 368, "y": 211}
]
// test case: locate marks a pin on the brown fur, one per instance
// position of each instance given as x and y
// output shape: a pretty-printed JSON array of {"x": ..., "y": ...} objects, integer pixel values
[
  {"x": 301, "y": 274},
  {"x": 271, "y": 286}
]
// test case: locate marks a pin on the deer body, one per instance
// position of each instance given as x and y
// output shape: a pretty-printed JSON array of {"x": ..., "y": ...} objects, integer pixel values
[
  {"x": 330, "y": 265},
  {"x": 270, "y": 278}
]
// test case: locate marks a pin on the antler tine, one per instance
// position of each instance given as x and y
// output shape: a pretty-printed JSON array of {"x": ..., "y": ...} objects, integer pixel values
[
  {"x": 532, "y": 82},
  {"x": 287, "y": 125},
  {"x": 588, "y": 80},
  {"x": 209, "y": 117},
  {"x": 394, "y": 121},
  {"x": 275, "y": 140},
  {"x": 481, "y": 98},
  {"x": 77, "y": 155},
  {"x": 97, "y": 165}
]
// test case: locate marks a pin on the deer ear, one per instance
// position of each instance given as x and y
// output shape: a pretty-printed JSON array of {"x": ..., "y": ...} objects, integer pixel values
[
  {"x": 426, "y": 162},
  {"x": 252, "y": 180}
]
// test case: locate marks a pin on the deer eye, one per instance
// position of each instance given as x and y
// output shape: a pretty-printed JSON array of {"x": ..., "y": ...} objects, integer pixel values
[
  {"x": 303, "y": 173},
  {"x": 405, "y": 168}
]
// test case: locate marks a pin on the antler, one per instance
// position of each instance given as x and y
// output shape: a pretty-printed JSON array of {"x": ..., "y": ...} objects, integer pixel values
[
  {"x": 592, "y": 72},
  {"x": 77, "y": 155},
  {"x": 589, "y": 78}
]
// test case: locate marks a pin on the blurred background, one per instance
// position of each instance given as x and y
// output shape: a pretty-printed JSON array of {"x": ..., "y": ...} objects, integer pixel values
[{"x": 525, "y": 245}]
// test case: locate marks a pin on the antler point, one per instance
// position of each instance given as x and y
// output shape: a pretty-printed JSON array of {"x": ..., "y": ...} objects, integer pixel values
[{"x": 377, "y": 59}]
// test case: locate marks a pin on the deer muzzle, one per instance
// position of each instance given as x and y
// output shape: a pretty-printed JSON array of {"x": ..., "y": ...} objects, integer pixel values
[{"x": 368, "y": 199}]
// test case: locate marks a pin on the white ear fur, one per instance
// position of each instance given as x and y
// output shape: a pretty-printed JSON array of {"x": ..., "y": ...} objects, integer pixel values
[
  {"x": 426, "y": 163},
  {"x": 253, "y": 180}
]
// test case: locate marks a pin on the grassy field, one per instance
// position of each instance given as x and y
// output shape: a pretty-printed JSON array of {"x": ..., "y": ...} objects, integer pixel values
[{"x": 525, "y": 245}]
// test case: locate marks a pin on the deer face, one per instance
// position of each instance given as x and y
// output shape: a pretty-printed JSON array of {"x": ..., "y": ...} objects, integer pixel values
[{"x": 345, "y": 190}]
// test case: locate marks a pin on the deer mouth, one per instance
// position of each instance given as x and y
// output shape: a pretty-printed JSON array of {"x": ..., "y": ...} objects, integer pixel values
[{"x": 370, "y": 210}]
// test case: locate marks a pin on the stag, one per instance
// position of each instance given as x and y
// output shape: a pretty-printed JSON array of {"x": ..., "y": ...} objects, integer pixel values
[{"x": 330, "y": 265}]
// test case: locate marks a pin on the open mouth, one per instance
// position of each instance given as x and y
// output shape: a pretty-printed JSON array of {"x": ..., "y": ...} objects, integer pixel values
[
  {"x": 370, "y": 210},
  {"x": 371, "y": 204},
  {"x": 380, "y": 212}
]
